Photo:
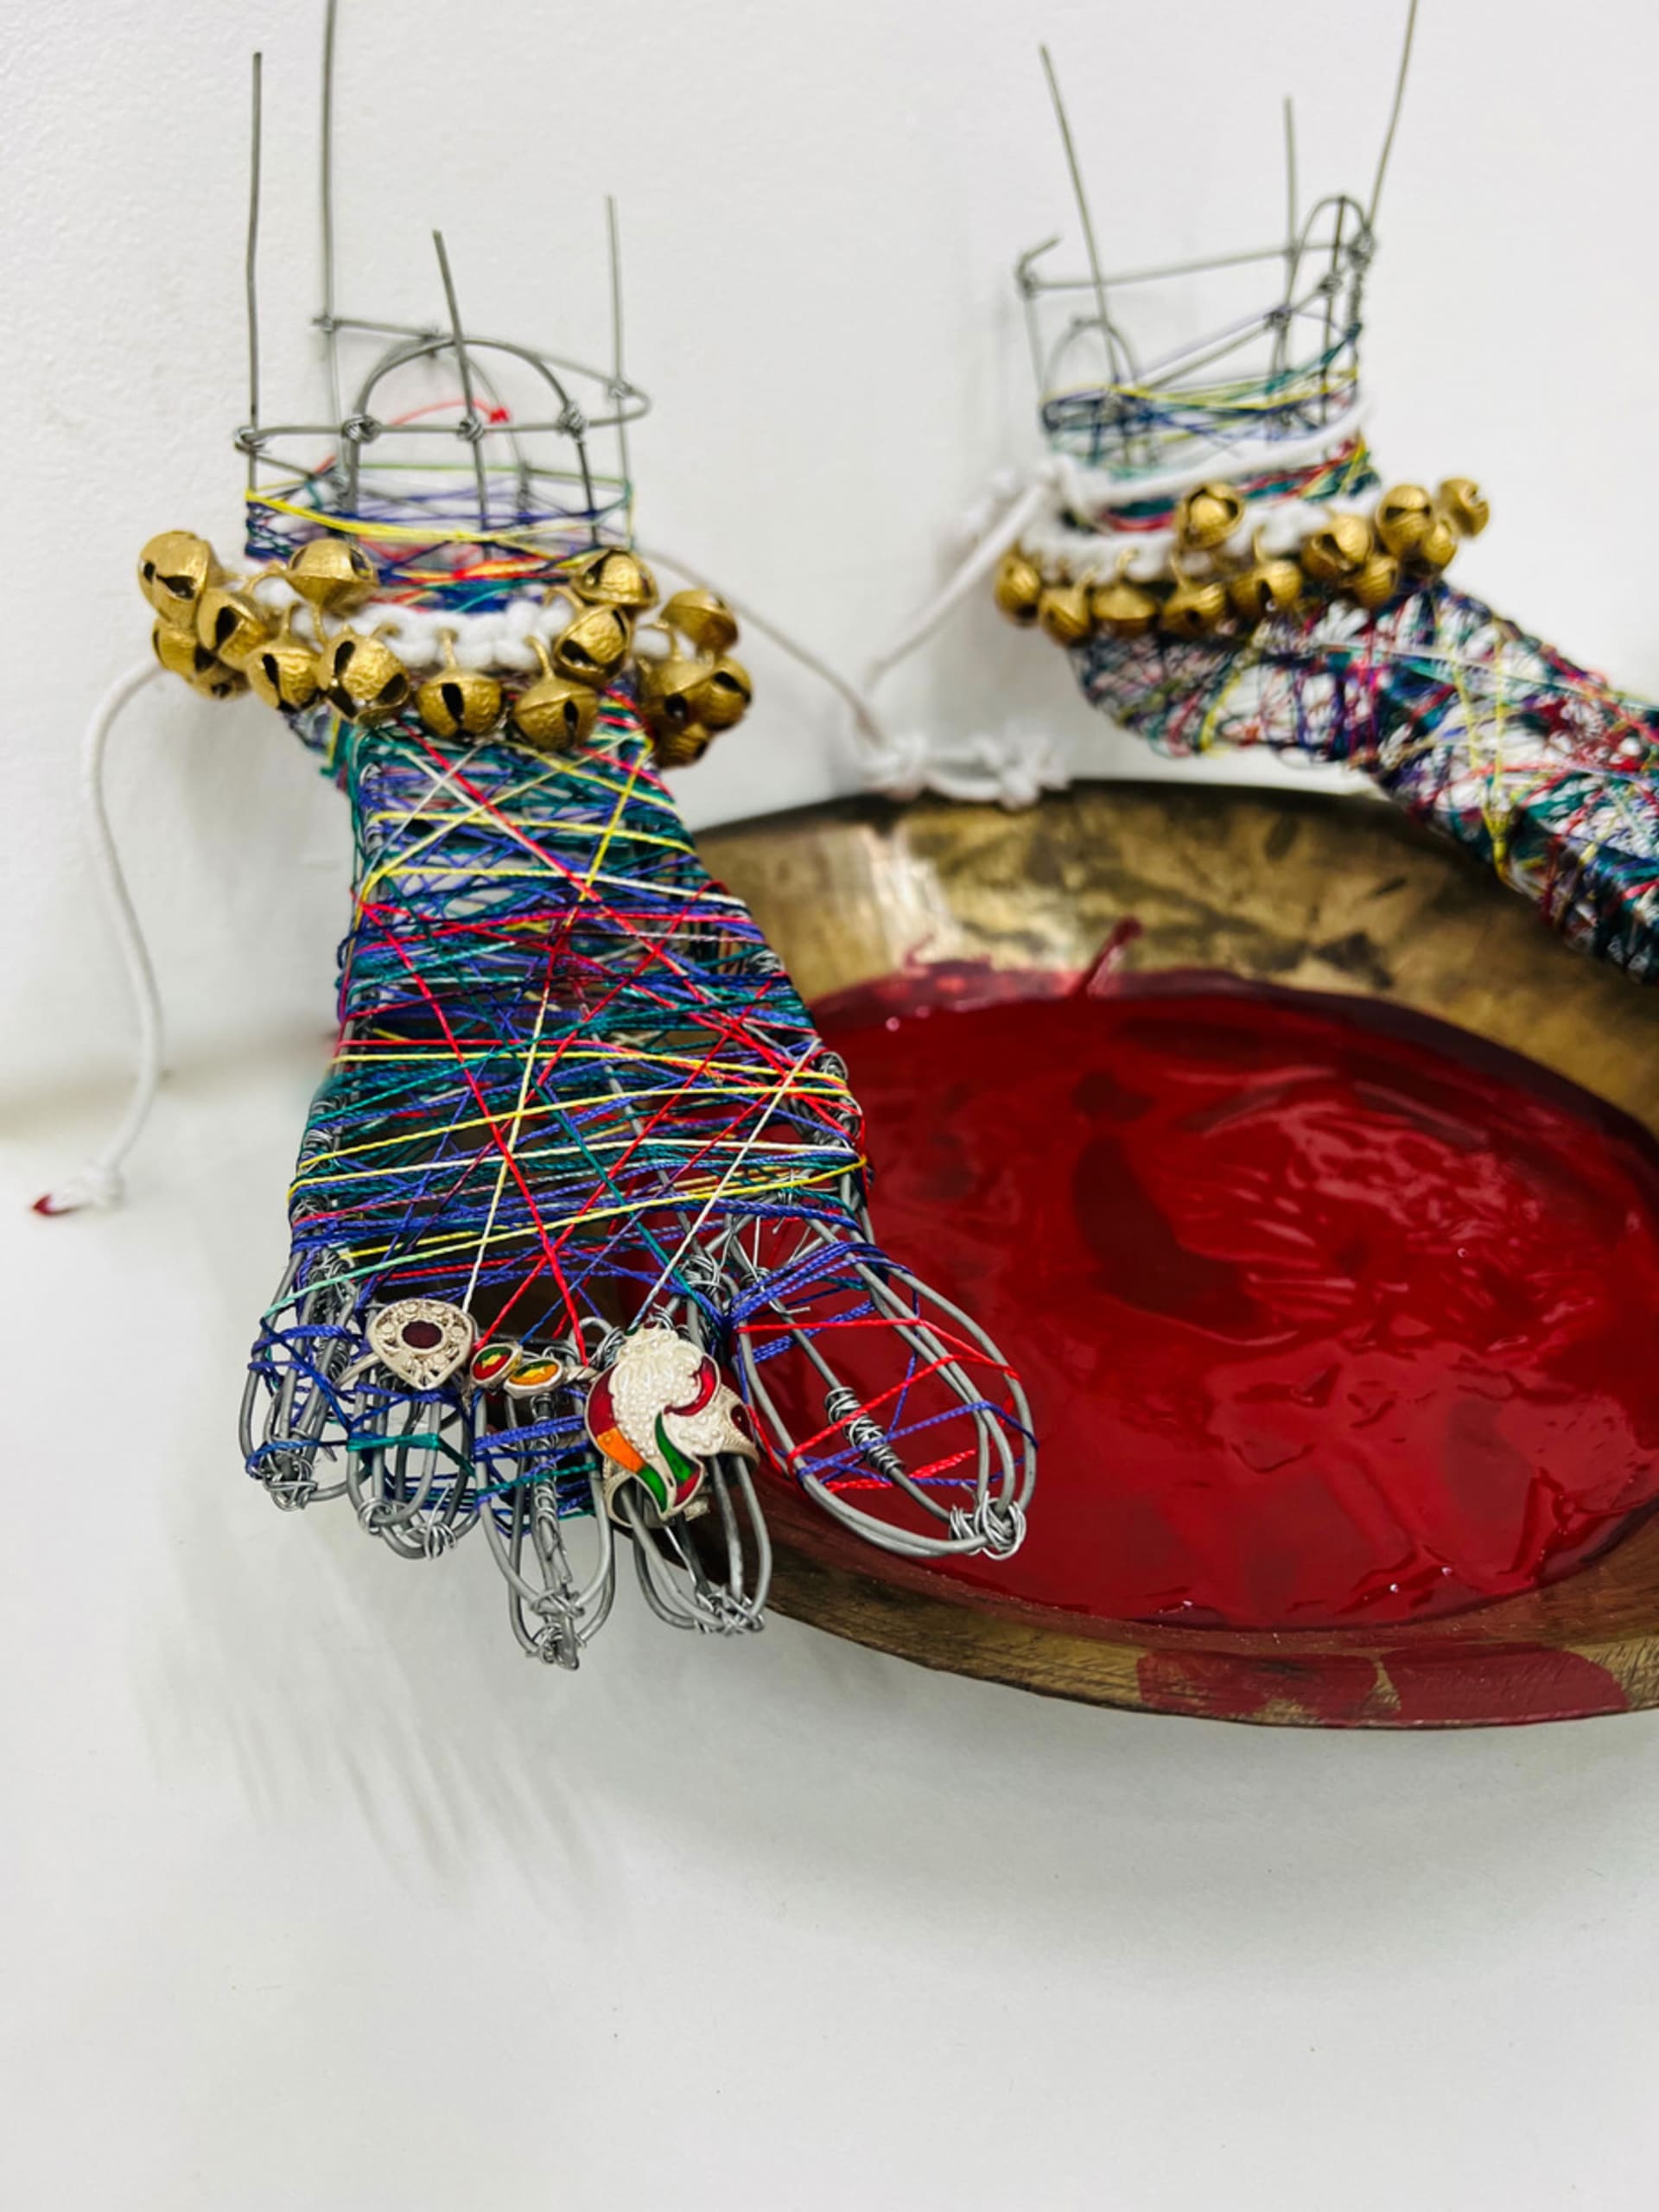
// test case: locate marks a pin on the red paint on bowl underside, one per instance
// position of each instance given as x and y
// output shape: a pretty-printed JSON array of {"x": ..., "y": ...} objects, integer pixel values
[
  {"x": 1329, "y": 1314},
  {"x": 1424, "y": 1686}
]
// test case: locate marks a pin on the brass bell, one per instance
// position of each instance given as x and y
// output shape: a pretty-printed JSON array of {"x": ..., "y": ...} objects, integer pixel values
[
  {"x": 1207, "y": 518},
  {"x": 283, "y": 672},
  {"x": 669, "y": 688},
  {"x": 1193, "y": 609},
  {"x": 1333, "y": 554},
  {"x": 173, "y": 571},
  {"x": 724, "y": 695},
  {"x": 1376, "y": 581},
  {"x": 180, "y": 652},
  {"x": 459, "y": 702},
  {"x": 554, "y": 714},
  {"x": 1400, "y": 518},
  {"x": 595, "y": 645},
  {"x": 217, "y": 681},
  {"x": 613, "y": 577},
  {"x": 1063, "y": 613},
  {"x": 1120, "y": 607},
  {"x": 1435, "y": 548},
  {"x": 704, "y": 617},
  {"x": 232, "y": 624},
  {"x": 681, "y": 748},
  {"x": 183, "y": 654},
  {"x": 1271, "y": 585},
  {"x": 1465, "y": 505},
  {"x": 333, "y": 574},
  {"x": 1018, "y": 590},
  {"x": 363, "y": 677}
]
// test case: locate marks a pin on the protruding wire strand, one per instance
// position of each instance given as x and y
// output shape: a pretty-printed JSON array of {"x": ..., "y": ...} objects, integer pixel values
[
  {"x": 1082, "y": 197},
  {"x": 619, "y": 382},
  {"x": 1293, "y": 241},
  {"x": 1290, "y": 231},
  {"x": 464, "y": 363},
  {"x": 1393, "y": 115},
  {"x": 251, "y": 270},
  {"x": 327, "y": 204}
]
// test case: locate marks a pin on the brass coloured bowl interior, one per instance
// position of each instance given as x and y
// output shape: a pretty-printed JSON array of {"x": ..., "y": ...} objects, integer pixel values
[{"x": 1305, "y": 889}]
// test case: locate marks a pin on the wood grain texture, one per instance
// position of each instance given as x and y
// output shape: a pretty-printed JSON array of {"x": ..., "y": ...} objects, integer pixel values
[{"x": 1298, "y": 888}]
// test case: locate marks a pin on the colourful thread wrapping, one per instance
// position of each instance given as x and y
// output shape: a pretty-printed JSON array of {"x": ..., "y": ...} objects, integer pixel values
[
  {"x": 1344, "y": 474},
  {"x": 1473, "y": 726},
  {"x": 1132, "y": 426},
  {"x": 573, "y": 1084}
]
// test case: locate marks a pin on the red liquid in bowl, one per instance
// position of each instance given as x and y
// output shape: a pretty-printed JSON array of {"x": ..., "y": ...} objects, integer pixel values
[{"x": 1329, "y": 1313}]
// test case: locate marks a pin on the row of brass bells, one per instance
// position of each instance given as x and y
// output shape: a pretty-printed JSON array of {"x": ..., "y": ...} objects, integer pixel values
[
  {"x": 558, "y": 710},
  {"x": 334, "y": 577},
  {"x": 1062, "y": 611},
  {"x": 1070, "y": 612},
  {"x": 610, "y": 588},
  {"x": 1410, "y": 533},
  {"x": 687, "y": 698},
  {"x": 216, "y": 634}
]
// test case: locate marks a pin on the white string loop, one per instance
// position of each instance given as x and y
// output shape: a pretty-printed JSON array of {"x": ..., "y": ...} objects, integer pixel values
[{"x": 97, "y": 1183}]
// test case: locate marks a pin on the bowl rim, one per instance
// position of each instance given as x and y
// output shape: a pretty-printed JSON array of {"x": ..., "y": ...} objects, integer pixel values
[{"x": 1588, "y": 1644}]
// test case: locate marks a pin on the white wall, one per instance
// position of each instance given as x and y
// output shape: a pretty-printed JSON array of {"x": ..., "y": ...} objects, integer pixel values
[
  {"x": 820, "y": 209},
  {"x": 313, "y": 1894}
]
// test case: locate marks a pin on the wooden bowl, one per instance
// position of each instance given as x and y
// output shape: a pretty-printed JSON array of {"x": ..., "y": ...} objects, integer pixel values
[{"x": 1299, "y": 888}]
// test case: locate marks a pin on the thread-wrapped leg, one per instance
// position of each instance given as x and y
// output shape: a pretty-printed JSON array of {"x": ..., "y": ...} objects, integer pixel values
[
  {"x": 1470, "y": 725},
  {"x": 575, "y": 1101}
]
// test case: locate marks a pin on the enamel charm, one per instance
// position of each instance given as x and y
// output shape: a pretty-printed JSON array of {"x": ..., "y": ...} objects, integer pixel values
[
  {"x": 657, "y": 1413},
  {"x": 504, "y": 1365},
  {"x": 421, "y": 1340}
]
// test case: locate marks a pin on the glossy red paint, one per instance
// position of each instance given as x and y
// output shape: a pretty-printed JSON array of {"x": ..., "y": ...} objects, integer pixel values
[{"x": 1330, "y": 1314}]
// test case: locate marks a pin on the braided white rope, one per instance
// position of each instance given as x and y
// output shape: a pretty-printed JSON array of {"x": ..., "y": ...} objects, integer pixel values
[{"x": 496, "y": 637}]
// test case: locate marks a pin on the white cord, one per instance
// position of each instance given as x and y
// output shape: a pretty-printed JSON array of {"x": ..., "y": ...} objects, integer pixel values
[
  {"x": 873, "y": 737},
  {"x": 1014, "y": 766},
  {"x": 980, "y": 558},
  {"x": 98, "y": 1182}
]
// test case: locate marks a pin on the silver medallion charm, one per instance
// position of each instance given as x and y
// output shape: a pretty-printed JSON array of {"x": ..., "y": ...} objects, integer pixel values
[
  {"x": 421, "y": 1340},
  {"x": 657, "y": 1413}
]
